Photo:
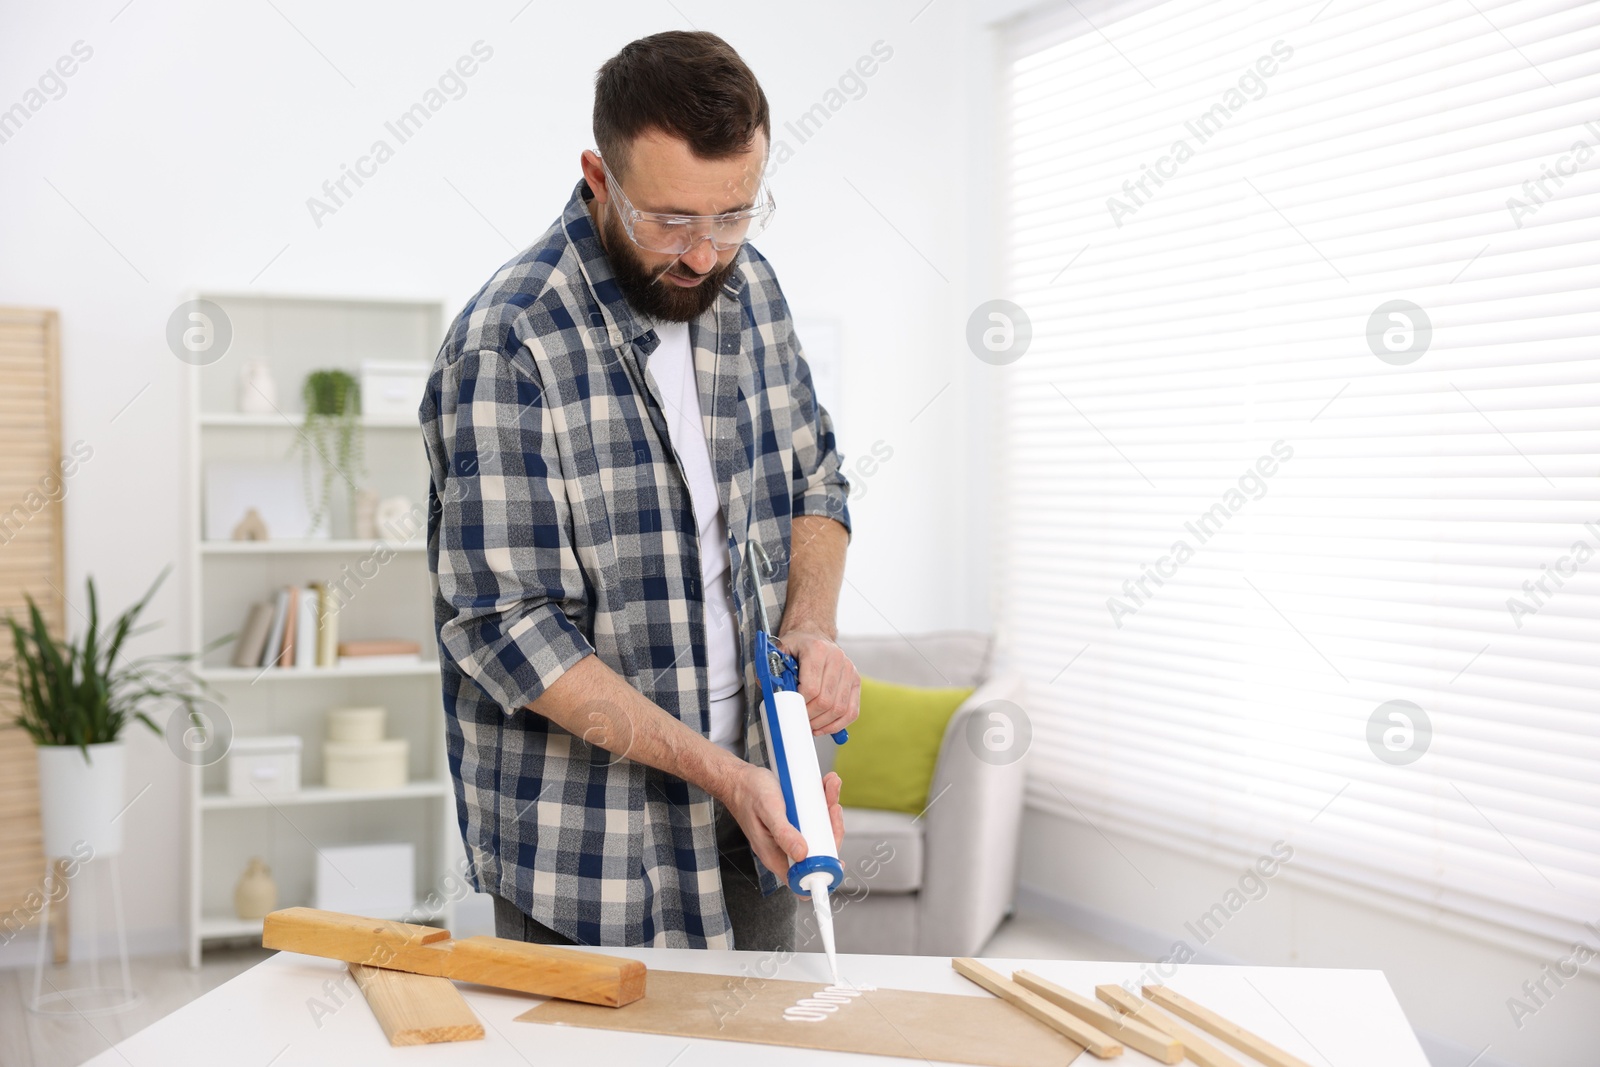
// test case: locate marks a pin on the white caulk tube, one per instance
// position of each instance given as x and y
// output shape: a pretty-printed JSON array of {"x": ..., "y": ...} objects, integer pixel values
[{"x": 800, "y": 775}]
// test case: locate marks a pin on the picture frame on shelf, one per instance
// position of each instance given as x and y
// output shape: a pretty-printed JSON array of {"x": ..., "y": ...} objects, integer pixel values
[{"x": 273, "y": 489}]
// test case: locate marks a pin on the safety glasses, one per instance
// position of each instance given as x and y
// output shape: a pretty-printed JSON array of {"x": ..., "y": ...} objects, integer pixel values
[{"x": 674, "y": 235}]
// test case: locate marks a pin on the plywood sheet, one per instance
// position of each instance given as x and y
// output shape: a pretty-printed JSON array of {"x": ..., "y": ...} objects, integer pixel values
[{"x": 941, "y": 1027}]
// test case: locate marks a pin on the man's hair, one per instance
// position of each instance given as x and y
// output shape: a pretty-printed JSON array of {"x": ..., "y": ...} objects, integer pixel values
[{"x": 689, "y": 85}]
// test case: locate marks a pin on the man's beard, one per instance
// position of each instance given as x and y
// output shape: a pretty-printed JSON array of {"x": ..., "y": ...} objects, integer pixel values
[{"x": 661, "y": 300}]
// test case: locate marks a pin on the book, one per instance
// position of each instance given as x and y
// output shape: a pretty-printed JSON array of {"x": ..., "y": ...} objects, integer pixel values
[
  {"x": 291, "y": 619},
  {"x": 273, "y": 653},
  {"x": 253, "y": 637},
  {"x": 305, "y": 638},
  {"x": 327, "y": 627},
  {"x": 370, "y": 662},
  {"x": 392, "y": 646}
]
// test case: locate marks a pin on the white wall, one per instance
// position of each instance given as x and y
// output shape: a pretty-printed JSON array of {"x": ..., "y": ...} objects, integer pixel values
[{"x": 183, "y": 152}]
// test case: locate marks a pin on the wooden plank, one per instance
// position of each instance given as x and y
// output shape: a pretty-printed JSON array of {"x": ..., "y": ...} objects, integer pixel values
[
  {"x": 1195, "y": 1047},
  {"x": 351, "y": 938},
  {"x": 1217, "y": 1026},
  {"x": 1124, "y": 1028},
  {"x": 1097, "y": 1043},
  {"x": 546, "y": 970},
  {"x": 933, "y": 1027},
  {"x": 416, "y": 1009}
]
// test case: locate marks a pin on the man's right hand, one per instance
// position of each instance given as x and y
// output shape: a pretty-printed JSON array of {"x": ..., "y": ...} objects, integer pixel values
[
  {"x": 594, "y": 703},
  {"x": 755, "y": 799}
]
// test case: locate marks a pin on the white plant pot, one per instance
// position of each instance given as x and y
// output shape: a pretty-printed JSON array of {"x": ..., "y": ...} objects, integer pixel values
[{"x": 79, "y": 800}]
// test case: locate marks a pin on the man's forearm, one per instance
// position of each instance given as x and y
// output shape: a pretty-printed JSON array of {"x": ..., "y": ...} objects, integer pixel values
[
  {"x": 593, "y": 702},
  {"x": 816, "y": 571}
]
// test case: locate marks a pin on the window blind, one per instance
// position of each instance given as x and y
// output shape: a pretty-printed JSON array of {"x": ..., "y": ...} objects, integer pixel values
[{"x": 1300, "y": 469}]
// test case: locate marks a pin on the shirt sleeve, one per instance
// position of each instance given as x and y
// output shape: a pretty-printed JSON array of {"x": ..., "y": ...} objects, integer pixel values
[
  {"x": 820, "y": 486},
  {"x": 511, "y": 591}
]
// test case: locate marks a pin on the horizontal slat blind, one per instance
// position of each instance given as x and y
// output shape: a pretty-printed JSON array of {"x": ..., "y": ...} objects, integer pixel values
[{"x": 1231, "y": 530}]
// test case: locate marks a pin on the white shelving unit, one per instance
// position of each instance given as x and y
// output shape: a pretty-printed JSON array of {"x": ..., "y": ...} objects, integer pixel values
[{"x": 295, "y": 335}]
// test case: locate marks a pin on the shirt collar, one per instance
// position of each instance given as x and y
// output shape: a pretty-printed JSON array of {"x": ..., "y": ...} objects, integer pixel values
[{"x": 622, "y": 321}]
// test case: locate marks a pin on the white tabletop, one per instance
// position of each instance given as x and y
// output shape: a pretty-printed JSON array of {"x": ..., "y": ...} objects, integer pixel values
[{"x": 269, "y": 1015}]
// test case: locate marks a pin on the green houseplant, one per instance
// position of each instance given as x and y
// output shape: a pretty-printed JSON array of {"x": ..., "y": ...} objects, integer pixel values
[
  {"x": 332, "y": 432},
  {"x": 76, "y": 696}
]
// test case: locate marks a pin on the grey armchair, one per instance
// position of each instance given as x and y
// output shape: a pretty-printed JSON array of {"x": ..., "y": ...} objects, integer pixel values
[{"x": 940, "y": 882}]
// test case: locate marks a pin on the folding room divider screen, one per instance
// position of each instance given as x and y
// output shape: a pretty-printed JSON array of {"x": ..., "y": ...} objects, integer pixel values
[{"x": 31, "y": 560}]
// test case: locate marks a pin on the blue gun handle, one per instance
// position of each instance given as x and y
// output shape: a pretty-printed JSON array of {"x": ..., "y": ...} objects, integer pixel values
[{"x": 791, "y": 676}]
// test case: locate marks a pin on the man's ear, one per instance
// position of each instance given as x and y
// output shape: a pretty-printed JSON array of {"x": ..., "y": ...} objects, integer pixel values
[{"x": 595, "y": 175}]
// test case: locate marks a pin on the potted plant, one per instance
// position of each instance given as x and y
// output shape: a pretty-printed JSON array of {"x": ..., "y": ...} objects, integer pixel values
[
  {"x": 76, "y": 696},
  {"x": 331, "y": 431}
]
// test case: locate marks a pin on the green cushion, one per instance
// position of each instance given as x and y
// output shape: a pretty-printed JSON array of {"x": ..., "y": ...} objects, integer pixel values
[{"x": 889, "y": 760}]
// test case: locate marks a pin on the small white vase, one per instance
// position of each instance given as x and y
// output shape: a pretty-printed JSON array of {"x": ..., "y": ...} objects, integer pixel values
[
  {"x": 255, "y": 894},
  {"x": 80, "y": 800},
  {"x": 258, "y": 393}
]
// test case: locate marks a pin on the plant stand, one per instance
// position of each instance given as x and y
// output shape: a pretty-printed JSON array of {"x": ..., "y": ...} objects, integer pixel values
[{"x": 94, "y": 998}]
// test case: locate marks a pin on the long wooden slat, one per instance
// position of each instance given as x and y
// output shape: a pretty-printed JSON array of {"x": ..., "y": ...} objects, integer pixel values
[
  {"x": 546, "y": 970},
  {"x": 416, "y": 1009},
  {"x": 551, "y": 971},
  {"x": 1096, "y": 1042},
  {"x": 353, "y": 938},
  {"x": 1217, "y": 1026},
  {"x": 1195, "y": 1047},
  {"x": 1124, "y": 1028}
]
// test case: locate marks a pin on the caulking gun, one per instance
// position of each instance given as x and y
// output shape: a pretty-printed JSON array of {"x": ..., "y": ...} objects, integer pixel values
[{"x": 794, "y": 760}]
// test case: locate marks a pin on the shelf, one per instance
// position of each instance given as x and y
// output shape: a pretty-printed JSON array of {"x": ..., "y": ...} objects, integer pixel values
[
  {"x": 294, "y": 336},
  {"x": 321, "y": 794},
  {"x": 216, "y": 927},
  {"x": 293, "y": 420},
  {"x": 324, "y": 545},
  {"x": 305, "y": 674}
]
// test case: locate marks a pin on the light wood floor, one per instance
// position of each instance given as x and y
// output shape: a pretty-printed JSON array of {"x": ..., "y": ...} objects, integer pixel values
[{"x": 165, "y": 982}]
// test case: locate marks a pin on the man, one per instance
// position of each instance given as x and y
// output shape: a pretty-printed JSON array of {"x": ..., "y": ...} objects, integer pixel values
[{"x": 613, "y": 418}]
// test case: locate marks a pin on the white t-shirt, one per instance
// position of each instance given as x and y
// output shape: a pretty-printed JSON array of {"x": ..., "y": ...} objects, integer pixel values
[{"x": 671, "y": 365}]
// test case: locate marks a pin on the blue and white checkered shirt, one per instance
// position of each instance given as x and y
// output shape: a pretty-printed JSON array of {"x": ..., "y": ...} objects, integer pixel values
[{"x": 560, "y": 524}]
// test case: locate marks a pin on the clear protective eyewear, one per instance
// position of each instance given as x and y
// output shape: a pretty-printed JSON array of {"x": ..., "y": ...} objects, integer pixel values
[{"x": 674, "y": 235}]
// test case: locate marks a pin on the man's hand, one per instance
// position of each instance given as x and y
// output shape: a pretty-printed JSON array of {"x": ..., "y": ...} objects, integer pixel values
[
  {"x": 756, "y": 801},
  {"x": 828, "y": 680},
  {"x": 831, "y": 783}
]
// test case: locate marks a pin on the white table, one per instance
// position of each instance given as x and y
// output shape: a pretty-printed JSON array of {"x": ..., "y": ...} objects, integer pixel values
[{"x": 1329, "y": 1018}]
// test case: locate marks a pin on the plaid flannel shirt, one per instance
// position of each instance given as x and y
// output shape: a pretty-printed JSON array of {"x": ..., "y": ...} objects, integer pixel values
[{"x": 560, "y": 525}]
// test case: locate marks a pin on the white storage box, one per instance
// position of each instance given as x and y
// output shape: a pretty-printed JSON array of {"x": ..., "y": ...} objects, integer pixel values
[
  {"x": 392, "y": 388},
  {"x": 268, "y": 765},
  {"x": 373, "y": 880},
  {"x": 356, "y": 724},
  {"x": 365, "y": 764}
]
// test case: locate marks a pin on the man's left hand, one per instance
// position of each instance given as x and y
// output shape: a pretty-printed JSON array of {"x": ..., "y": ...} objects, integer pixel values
[{"x": 828, "y": 680}]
